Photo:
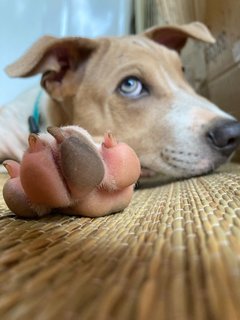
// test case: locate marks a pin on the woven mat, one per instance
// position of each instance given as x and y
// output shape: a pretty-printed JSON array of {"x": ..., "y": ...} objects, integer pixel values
[{"x": 174, "y": 253}]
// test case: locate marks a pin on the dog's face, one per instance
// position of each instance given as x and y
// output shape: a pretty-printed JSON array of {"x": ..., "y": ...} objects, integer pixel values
[
  {"x": 146, "y": 101},
  {"x": 136, "y": 88}
]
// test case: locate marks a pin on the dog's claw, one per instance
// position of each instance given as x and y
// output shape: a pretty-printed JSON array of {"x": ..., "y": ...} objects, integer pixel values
[
  {"x": 12, "y": 167},
  {"x": 57, "y": 133},
  {"x": 32, "y": 139},
  {"x": 109, "y": 140},
  {"x": 35, "y": 143}
]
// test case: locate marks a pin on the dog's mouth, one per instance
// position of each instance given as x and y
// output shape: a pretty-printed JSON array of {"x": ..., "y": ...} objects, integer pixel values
[
  {"x": 179, "y": 166},
  {"x": 147, "y": 173}
]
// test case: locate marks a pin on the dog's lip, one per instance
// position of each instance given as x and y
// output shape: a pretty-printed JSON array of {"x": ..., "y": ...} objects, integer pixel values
[{"x": 147, "y": 173}]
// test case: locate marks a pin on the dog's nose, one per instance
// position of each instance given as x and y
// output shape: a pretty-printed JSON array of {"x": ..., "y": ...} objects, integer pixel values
[{"x": 225, "y": 136}]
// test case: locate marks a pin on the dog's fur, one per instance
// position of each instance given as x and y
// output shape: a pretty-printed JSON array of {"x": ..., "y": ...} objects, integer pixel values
[{"x": 164, "y": 121}]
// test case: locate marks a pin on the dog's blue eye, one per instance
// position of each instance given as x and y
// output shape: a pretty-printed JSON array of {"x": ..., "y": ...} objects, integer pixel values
[{"x": 132, "y": 87}]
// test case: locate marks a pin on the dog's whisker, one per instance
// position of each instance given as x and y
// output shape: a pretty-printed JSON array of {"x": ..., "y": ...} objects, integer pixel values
[
  {"x": 177, "y": 161},
  {"x": 180, "y": 152}
]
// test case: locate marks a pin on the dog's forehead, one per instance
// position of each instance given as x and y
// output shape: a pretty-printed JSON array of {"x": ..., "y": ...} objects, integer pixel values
[
  {"x": 136, "y": 46},
  {"x": 132, "y": 53},
  {"x": 141, "y": 42}
]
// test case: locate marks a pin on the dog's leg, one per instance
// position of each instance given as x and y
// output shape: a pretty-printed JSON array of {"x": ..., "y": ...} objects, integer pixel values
[
  {"x": 13, "y": 133},
  {"x": 66, "y": 169},
  {"x": 14, "y": 128}
]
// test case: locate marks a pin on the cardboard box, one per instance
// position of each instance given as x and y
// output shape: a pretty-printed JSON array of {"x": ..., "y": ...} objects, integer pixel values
[
  {"x": 223, "y": 58},
  {"x": 224, "y": 90},
  {"x": 222, "y": 18},
  {"x": 193, "y": 58}
]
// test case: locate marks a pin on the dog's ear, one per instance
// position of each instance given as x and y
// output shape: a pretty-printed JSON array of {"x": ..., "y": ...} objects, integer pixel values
[
  {"x": 175, "y": 37},
  {"x": 57, "y": 59}
]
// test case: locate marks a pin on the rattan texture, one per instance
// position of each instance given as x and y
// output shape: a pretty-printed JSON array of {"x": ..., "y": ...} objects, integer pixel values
[{"x": 174, "y": 253}]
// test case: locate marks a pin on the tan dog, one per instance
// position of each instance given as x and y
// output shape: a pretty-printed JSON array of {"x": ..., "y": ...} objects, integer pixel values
[{"x": 133, "y": 86}]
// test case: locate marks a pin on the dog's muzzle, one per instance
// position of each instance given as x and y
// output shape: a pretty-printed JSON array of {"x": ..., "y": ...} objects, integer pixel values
[{"x": 224, "y": 137}]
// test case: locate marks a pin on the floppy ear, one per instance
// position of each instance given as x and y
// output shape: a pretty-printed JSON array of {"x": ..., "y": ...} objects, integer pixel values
[
  {"x": 175, "y": 37},
  {"x": 57, "y": 59}
]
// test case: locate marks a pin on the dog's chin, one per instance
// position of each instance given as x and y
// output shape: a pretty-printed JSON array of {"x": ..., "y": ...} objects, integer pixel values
[{"x": 148, "y": 173}]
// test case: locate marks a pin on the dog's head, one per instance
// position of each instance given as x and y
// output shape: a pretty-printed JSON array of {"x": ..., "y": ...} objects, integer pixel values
[{"x": 135, "y": 87}]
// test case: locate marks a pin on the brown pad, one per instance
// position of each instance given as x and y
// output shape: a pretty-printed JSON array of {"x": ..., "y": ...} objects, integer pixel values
[{"x": 81, "y": 165}]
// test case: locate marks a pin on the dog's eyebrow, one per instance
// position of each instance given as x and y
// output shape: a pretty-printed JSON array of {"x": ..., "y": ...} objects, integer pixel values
[{"x": 133, "y": 69}]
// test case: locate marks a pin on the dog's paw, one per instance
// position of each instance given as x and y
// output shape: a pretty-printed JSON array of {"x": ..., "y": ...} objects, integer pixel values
[{"x": 64, "y": 169}]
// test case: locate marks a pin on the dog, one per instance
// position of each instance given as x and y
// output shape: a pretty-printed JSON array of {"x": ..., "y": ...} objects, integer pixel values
[{"x": 133, "y": 86}]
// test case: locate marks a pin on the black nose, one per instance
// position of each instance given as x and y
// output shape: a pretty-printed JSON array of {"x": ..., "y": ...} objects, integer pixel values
[{"x": 225, "y": 136}]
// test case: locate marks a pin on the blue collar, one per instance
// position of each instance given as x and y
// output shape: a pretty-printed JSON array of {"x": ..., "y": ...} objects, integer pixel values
[{"x": 34, "y": 119}]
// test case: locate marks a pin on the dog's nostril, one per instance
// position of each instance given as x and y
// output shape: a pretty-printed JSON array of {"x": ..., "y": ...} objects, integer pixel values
[
  {"x": 225, "y": 136},
  {"x": 231, "y": 141},
  {"x": 220, "y": 139}
]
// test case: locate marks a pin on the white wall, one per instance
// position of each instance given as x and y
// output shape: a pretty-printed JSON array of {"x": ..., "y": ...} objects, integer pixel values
[{"x": 23, "y": 21}]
